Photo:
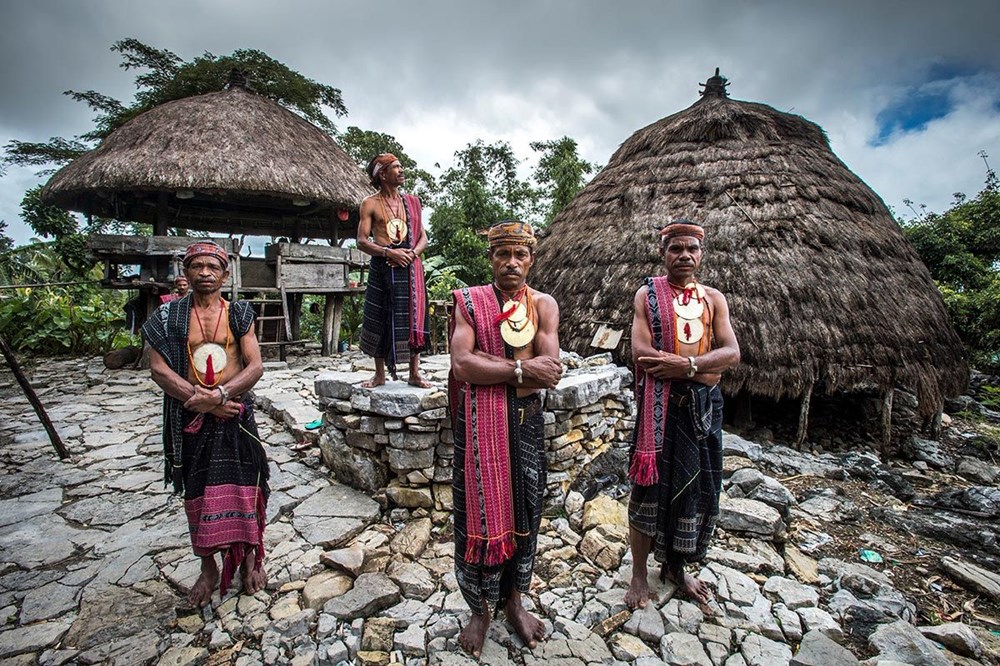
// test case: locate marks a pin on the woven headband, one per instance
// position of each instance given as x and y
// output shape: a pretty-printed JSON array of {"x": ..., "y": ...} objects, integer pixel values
[
  {"x": 381, "y": 162},
  {"x": 206, "y": 249},
  {"x": 682, "y": 229},
  {"x": 511, "y": 233}
]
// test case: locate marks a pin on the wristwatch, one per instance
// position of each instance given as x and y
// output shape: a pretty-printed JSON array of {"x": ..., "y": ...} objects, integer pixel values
[
  {"x": 692, "y": 367},
  {"x": 518, "y": 372}
]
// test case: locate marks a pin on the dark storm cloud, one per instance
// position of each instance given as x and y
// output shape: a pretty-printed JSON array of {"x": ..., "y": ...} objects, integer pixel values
[{"x": 439, "y": 73}]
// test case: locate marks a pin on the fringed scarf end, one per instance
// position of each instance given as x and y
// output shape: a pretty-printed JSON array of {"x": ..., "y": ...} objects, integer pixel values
[
  {"x": 496, "y": 551},
  {"x": 231, "y": 561},
  {"x": 643, "y": 469}
]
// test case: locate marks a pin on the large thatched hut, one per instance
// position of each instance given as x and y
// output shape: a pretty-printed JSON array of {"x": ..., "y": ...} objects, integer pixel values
[
  {"x": 825, "y": 292},
  {"x": 226, "y": 162}
]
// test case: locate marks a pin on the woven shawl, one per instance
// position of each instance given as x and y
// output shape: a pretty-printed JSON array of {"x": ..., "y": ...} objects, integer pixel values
[
  {"x": 653, "y": 393},
  {"x": 166, "y": 331},
  {"x": 489, "y": 506},
  {"x": 418, "y": 294}
]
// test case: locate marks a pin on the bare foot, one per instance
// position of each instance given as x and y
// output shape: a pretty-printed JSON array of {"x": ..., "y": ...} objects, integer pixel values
[
  {"x": 377, "y": 380},
  {"x": 474, "y": 634},
  {"x": 254, "y": 579},
  {"x": 528, "y": 627},
  {"x": 201, "y": 593},
  {"x": 638, "y": 591},
  {"x": 693, "y": 588},
  {"x": 418, "y": 381}
]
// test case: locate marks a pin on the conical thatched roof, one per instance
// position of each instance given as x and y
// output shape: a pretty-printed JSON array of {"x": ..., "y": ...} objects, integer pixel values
[
  {"x": 823, "y": 288},
  {"x": 229, "y": 162}
]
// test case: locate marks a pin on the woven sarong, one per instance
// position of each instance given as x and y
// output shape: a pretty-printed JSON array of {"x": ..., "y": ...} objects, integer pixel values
[
  {"x": 490, "y": 586},
  {"x": 225, "y": 489},
  {"x": 681, "y": 509},
  {"x": 395, "y": 317}
]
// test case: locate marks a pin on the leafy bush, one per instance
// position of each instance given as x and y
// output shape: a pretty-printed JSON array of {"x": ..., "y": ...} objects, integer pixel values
[{"x": 46, "y": 321}]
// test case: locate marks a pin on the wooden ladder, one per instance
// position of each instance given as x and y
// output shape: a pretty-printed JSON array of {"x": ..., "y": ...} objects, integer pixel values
[{"x": 283, "y": 333}]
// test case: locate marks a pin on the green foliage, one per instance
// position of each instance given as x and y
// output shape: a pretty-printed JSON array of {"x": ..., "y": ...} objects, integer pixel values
[
  {"x": 441, "y": 279},
  {"x": 73, "y": 319},
  {"x": 163, "y": 76},
  {"x": 961, "y": 247},
  {"x": 363, "y": 145},
  {"x": 63, "y": 320},
  {"x": 482, "y": 188},
  {"x": 560, "y": 172},
  {"x": 6, "y": 242}
]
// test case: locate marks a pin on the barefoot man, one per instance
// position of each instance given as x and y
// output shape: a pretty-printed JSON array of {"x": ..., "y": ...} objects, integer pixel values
[
  {"x": 394, "y": 329},
  {"x": 206, "y": 359},
  {"x": 504, "y": 348},
  {"x": 682, "y": 341}
]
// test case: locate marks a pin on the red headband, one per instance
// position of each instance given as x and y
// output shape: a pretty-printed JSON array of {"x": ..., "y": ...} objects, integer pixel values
[
  {"x": 206, "y": 249},
  {"x": 682, "y": 229}
]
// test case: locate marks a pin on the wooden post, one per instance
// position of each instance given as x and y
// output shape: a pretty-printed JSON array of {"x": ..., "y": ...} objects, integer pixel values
[
  {"x": 886, "y": 424},
  {"x": 800, "y": 436},
  {"x": 329, "y": 347},
  {"x": 33, "y": 399}
]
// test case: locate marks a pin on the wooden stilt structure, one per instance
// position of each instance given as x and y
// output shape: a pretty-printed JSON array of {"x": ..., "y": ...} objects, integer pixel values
[
  {"x": 29, "y": 392},
  {"x": 886, "y": 424},
  {"x": 803, "y": 430}
]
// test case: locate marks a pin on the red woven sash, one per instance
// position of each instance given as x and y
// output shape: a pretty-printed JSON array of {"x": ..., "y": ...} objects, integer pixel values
[
  {"x": 418, "y": 295},
  {"x": 653, "y": 393},
  {"x": 489, "y": 506}
]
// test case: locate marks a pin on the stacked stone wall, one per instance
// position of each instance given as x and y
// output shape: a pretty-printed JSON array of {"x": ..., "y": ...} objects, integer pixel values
[{"x": 399, "y": 438}]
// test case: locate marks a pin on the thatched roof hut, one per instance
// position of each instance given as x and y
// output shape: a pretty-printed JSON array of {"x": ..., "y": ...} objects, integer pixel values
[
  {"x": 225, "y": 162},
  {"x": 824, "y": 290}
]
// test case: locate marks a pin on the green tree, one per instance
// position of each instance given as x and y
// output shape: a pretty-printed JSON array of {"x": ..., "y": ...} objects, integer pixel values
[
  {"x": 961, "y": 247},
  {"x": 560, "y": 173},
  {"x": 163, "y": 76},
  {"x": 363, "y": 145},
  {"x": 482, "y": 188}
]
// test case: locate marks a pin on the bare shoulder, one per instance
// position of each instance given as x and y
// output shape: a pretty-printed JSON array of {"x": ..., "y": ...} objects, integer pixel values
[
  {"x": 714, "y": 295},
  {"x": 543, "y": 300},
  {"x": 369, "y": 200}
]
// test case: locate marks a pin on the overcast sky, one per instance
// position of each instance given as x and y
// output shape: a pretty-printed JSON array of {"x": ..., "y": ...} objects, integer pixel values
[{"x": 908, "y": 91}]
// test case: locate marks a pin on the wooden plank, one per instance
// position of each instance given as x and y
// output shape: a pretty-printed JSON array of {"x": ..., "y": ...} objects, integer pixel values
[
  {"x": 298, "y": 252},
  {"x": 318, "y": 277}
]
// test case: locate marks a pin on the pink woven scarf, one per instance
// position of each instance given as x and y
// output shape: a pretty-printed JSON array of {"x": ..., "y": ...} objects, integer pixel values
[
  {"x": 653, "y": 393},
  {"x": 418, "y": 295},
  {"x": 489, "y": 503}
]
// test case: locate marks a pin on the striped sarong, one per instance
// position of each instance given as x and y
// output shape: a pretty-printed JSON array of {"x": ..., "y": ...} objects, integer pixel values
[{"x": 681, "y": 509}]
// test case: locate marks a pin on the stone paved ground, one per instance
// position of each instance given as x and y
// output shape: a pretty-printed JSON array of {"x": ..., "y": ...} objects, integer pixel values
[{"x": 95, "y": 560}]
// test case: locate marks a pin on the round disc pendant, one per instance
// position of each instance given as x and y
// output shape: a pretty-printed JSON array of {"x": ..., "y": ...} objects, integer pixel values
[
  {"x": 396, "y": 228},
  {"x": 518, "y": 337},
  {"x": 692, "y": 310},
  {"x": 201, "y": 354},
  {"x": 698, "y": 289},
  {"x": 520, "y": 312},
  {"x": 689, "y": 331}
]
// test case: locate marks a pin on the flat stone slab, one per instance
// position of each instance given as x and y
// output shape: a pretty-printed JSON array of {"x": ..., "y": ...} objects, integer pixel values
[
  {"x": 31, "y": 639},
  {"x": 28, "y": 506},
  {"x": 111, "y": 613},
  {"x": 979, "y": 579},
  {"x": 338, "y": 385},
  {"x": 577, "y": 390},
  {"x": 372, "y": 592},
  {"x": 334, "y": 515}
]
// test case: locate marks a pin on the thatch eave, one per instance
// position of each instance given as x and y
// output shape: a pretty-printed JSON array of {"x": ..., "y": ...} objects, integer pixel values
[{"x": 232, "y": 148}]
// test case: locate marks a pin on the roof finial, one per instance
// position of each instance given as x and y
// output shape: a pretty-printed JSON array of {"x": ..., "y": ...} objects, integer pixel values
[
  {"x": 715, "y": 86},
  {"x": 239, "y": 78}
]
